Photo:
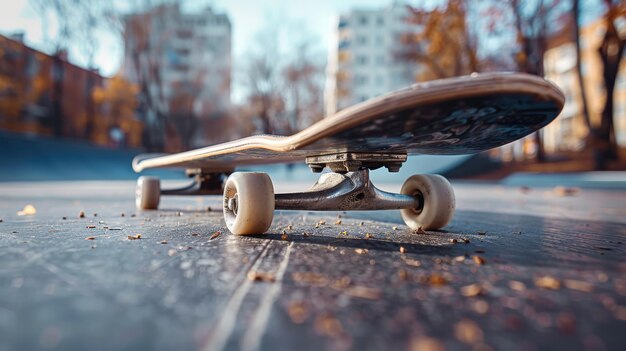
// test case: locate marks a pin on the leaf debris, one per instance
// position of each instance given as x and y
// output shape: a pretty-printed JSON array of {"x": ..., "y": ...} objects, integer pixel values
[
  {"x": 548, "y": 282},
  {"x": 257, "y": 276},
  {"x": 479, "y": 260},
  {"x": 215, "y": 235},
  {"x": 27, "y": 210}
]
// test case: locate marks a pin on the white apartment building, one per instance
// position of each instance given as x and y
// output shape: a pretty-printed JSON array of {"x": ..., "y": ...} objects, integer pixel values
[
  {"x": 192, "y": 51},
  {"x": 362, "y": 58}
]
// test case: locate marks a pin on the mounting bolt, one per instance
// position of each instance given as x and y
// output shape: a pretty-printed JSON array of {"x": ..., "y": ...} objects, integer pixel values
[
  {"x": 394, "y": 167},
  {"x": 316, "y": 168}
]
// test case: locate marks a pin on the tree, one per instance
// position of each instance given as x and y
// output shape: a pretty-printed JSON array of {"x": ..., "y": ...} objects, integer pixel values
[
  {"x": 303, "y": 86},
  {"x": 532, "y": 22},
  {"x": 116, "y": 102},
  {"x": 611, "y": 52},
  {"x": 284, "y": 83},
  {"x": 77, "y": 23},
  {"x": 601, "y": 137},
  {"x": 440, "y": 41}
]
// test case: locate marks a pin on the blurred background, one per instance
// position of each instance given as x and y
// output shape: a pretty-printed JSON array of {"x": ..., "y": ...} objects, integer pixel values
[{"x": 86, "y": 85}]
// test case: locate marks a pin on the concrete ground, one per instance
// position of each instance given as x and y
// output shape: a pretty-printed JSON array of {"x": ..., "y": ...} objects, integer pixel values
[{"x": 519, "y": 268}]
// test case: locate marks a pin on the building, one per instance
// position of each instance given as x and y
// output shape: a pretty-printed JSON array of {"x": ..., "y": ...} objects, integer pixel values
[
  {"x": 183, "y": 60},
  {"x": 568, "y": 131},
  {"x": 44, "y": 94},
  {"x": 362, "y": 62}
]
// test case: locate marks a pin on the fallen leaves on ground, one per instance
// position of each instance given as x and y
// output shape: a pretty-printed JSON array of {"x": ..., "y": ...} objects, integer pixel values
[
  {"x": 363, "y": 292},
  {"x": 548, "y": 282},
  {"x": 435, "y": 280},
  {"x": 565, "y": 191},
  {"x": 419, "y": 230},
  {"x": 298, "y": 311},
  {"x": 578, "y": 285},
  {"x": 327, "y": 325},
  {"x": 468, "y": 332},
  {"x": 472, "y": 290},
  {"x": 425, "y": 343},
  {"x": 28, "y": 210},
  {"x": 215, "y": 235},
  {"x": 479, "y": 260},
  {"x": 310, "y": 278},
  {"x": 257, "y": 276}
]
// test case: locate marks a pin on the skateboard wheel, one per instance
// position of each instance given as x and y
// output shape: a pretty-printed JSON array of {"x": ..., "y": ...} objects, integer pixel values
[
  {"x": 436, "y": 199},
  {"x": 248, "y": 203},
  {"x": 148, "y": 193}
]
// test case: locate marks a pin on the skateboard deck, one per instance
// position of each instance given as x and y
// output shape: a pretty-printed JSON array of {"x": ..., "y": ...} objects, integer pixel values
[{"x": 444, "y": 117}]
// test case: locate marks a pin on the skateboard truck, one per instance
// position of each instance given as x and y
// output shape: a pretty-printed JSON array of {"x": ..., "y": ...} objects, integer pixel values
[
  {"x": 425, "y": 201},
  {"x": 204, "y": 182},
  {"x": 352, "y": 161},
  {"x": 351, "y": 191}
]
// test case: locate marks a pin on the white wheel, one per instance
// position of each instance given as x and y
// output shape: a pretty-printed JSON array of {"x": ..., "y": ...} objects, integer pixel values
[
  {"x": 147, "y": 193},
  {"x": 248, "y": 203},
  {"x": 436, "y": 198}
]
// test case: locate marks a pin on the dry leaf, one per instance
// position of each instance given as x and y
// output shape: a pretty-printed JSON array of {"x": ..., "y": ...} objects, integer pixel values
[
  {"x": 215, "y": 235},
  {"x": 134, "y": 237},
  {"x": 90, "y": 238},
  {"x": 298, "y": 311},
  {"x": 310, "y": 278},
  {"x": 467, "y": 331},
  {"x": 578, "y": 285},
  {"x": 257, "y": 276},
  {"x": 28, "y": 210},
  {"x": 436, "y": 280},
  {"x": 81, "y": 214},
  {"x": 424, "y": 343},
  {"x": 565, "y": 191},
  {"x": 548, "y": 282},
  {"x": 479, "y": 260},
  {"x": 402, "y": 249},
  {"x": 419, "y": 230},
  {"x": 328, "y": 325},
  {"x": 412, "y": 262},
  {"x": 364, "y": 292},
  {"x": 516, "y": 285},
  {"x": 361, "y": 251},
  {"x": 472, "y": 290}
]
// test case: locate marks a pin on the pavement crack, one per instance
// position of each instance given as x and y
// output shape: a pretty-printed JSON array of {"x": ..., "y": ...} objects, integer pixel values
[
  {"x": 254, "y": 334},
  {"x": 227, "y": 321}
]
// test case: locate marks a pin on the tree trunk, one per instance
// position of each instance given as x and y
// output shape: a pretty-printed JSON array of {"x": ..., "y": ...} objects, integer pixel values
[
  {"x": 611, "y": 52},
  {"x": 581, "y": 81}
]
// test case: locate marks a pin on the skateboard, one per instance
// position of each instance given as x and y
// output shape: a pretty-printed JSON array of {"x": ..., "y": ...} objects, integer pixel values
[{"x": 459, "y": 115}]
